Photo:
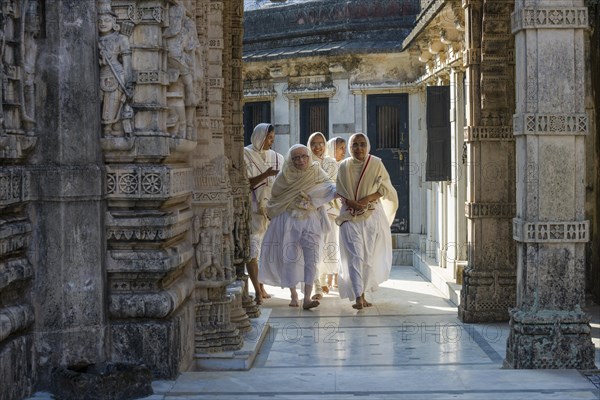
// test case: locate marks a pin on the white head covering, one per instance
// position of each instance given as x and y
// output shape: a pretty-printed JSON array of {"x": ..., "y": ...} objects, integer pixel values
[
  {"x": 310, "y": 139},
  {"x": 259, "y": 134},
  {"x": 291, "y": 182},
  {"x": 372, "y": 177},
  {"x": 328, "y": 164},
  {"x": 331, "y": 147},
  {"x": 351, "y": 141}
]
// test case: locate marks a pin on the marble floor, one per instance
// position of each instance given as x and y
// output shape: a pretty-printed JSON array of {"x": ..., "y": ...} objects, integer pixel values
[{"x": 409, "y": 345}]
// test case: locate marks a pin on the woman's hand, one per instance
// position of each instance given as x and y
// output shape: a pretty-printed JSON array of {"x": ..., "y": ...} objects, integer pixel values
[{"x": 355, "y": 205}]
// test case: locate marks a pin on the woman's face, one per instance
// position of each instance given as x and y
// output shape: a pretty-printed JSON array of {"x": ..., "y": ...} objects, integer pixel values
[
  {"x": 340, "y": 151},
  {"x": 300, "y": 158},
  {"x": 359, "y": 148},
  {"x": 317, "y": 145},
  {"x": 269, "y": 140}
]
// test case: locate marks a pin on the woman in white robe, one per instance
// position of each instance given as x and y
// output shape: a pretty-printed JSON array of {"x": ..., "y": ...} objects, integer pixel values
[
  {"x": 329, "y": 261},
  {"x": 290, "y": 247},
  {"x": 262, "y": 165},
  {"x": 369, "y": 203},
  {"x": 336, "y": 149}
]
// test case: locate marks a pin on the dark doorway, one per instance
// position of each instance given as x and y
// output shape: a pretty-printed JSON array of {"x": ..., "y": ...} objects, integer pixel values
[
  {"x": 387, "y": 129},
  {"x": 255, "y": 113},
  {"x": 314, "y": 117},
  {"x": 438, "y": 166}
]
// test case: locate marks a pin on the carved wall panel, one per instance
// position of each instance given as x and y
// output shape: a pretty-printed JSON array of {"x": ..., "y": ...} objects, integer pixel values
[
  {"x": 170, "y": 221},
  {"x": 489, "y": 138},
  {"x": 20, "y": 30}
]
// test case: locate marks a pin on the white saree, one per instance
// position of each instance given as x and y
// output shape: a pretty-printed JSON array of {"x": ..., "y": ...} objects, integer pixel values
[{"x": 365, "y": 236}]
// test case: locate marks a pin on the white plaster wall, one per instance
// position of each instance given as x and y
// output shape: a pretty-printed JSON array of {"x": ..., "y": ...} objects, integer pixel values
[
  {"x": 342, "y": 108},
  {"x": 281, "y": 116}
]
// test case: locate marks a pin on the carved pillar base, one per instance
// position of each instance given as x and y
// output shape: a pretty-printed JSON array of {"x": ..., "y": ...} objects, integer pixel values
[
  {"x": 252, "y": 310},
  {"x": 214, "y": 330},
  {"x": 238, "y": 315},
  {"x": 549, "y": 339},
  {"x": 486, "y": 296}
]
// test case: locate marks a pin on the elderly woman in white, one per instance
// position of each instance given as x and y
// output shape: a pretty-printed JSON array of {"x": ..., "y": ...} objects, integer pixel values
[
  {"x": 369, "y": 206},
  {"x": 262, "y": 165},
  {"x": 336, "y": 149},
  {"x": 291, "y": 245},
  {"x": 329, "y": 261}
]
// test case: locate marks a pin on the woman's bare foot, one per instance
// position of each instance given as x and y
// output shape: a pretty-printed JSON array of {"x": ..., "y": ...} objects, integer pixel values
[
  {"x": 263, "y": 292},
  {"x": 358, "y": 305},
  {"x": 325, "y": 289},
  {"x": 317, "y": 296},
  {"x": 294, "y": 296},
  {"x": 310, "y": 304},
  {"x": 258, "y": 299},
  {"x": 364, "y": 301}
]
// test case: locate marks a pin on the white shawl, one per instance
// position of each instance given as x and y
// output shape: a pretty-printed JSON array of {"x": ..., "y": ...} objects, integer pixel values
[{"x": 373, "y": 178}]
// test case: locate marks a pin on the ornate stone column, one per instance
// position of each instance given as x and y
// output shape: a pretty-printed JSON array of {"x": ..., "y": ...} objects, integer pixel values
[
  {"x": 68, "y": 208},
  {"x": 456, "y": 248},
  {"x": 149, "y": 179},
  {"x": 548, "y": 327},
  {"x": 19, "y": 47},
  {"x": 489, "y": 278}
]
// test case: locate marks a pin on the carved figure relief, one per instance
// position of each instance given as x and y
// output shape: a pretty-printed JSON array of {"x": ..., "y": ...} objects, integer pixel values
[
  {"x": 19, "y": 30},
  {"x": 182, "y": 59},
  {"x": 240, "y": 232},
  {"x": 31, "y": 32},
  {"x": 209, "y": 249},
  {"x": 116, "y": 75}
]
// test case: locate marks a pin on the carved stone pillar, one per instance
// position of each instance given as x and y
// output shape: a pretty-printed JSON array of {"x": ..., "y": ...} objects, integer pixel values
[
  {"x": 548, "y": 327},
  {"x": 68, "y": 208},
  {"x": 488, "y": 289},
  {"x": 212, "y": 196},
  {"x": 20, "y": 28},
  {"x": 149, "y": 180}
]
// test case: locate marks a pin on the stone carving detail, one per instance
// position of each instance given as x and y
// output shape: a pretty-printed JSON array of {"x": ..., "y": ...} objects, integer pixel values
[
  {"x": 14, "y": 185},
  {"x": 116, "y": 74},
  {"x": 14, "y": 235},
  {"x": 209, "y": 249},
  {"x": 569, "y": 124},
  {"x": 145, "y": 14},
  {"x": 183, "y": 61},
  {"x": 550, "y": 18},
  {"x": 551, "y": 232},
  {"x": 488, "y": 133},
  {"x": 490, "y": 210},
  {"x": 147, "y": 181},
  {"x": 552, "y": 339},
  {"x": 487, "y": 295},
  {"x": 134, "y": 227},
  {"x": 19, "y": 31}
]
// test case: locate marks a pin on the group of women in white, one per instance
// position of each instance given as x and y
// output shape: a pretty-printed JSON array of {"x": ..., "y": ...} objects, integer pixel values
[{"x": 316, "y": 214}]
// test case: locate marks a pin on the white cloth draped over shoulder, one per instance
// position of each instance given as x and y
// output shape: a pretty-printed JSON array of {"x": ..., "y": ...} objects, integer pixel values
[
  {"x": 329, "y": 261},
  {"x": 290, "y": 247},
  {"x": 258, "y": 161},
  {"x": 365, "y": 236}
]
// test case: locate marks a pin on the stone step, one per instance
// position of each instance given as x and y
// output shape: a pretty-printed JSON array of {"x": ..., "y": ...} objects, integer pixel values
[
  {"x": 238, "y": 360},
  {"x": 441, "y": 278}
]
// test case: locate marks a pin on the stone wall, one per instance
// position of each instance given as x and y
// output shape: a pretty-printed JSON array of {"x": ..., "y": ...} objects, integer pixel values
[
  {"x": 118, "y": 185},
  {"x": 593, "y": 261},
  {"x": 20, "y": 31}
]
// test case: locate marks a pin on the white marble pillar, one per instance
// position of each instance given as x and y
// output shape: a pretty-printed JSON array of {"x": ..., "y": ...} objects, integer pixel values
[{"x": 548, "y": 327}]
